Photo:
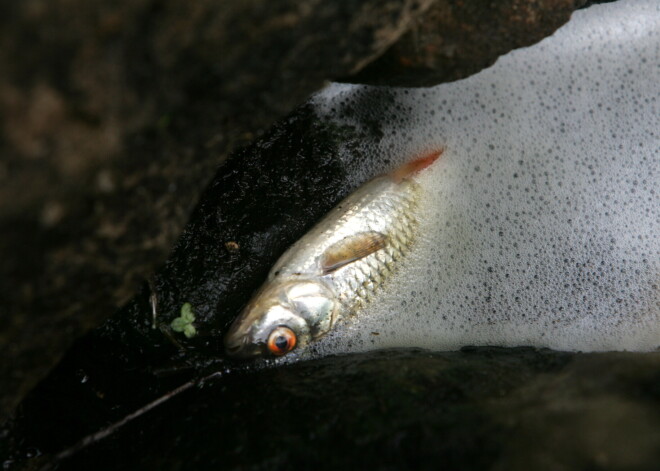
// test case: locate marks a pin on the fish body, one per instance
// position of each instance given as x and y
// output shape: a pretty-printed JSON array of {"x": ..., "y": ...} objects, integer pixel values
[{"x": 332, "y": 271}]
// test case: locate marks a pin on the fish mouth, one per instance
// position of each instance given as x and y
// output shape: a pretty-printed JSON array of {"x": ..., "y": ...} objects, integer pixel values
[
  {"x": 237, "y": 347},
  {"x": 232, "y": 350},
  {"x": 234, "y": 343}
]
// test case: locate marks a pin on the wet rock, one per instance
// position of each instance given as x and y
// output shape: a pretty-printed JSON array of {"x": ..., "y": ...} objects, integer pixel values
[
  {"x": 453, "y": 40},
  {"x": 475, "y": 409},
  {"x": 480, "y": 408},
  {"x": 113, "y": 125}
]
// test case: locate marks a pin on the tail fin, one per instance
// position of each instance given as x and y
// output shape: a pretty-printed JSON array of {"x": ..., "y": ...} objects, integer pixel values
[{"x": 415, "y": 166}]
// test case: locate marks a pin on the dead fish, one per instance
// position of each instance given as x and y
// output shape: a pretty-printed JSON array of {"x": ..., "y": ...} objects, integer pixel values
[{"x": 332, "y": 271}]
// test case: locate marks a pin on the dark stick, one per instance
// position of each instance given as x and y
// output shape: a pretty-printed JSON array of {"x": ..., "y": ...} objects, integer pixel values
[{"x": 112, "y": 428}]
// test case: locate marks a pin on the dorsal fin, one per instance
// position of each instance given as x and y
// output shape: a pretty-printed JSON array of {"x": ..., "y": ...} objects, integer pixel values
[{"x": 350, "y": 249}]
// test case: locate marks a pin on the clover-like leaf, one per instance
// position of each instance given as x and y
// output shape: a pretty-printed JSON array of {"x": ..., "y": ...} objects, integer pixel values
[
  {"x": 189, "y": 331},
  {"x": 186, "y": 312},
  {"x": 184, "y": 323}
]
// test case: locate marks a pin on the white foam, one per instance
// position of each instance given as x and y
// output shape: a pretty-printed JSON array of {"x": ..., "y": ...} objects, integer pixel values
[{"x": 543, "y": 215}]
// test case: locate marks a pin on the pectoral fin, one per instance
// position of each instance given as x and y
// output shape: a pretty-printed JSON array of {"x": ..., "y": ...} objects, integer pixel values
[{"x": 350, "y": 249}]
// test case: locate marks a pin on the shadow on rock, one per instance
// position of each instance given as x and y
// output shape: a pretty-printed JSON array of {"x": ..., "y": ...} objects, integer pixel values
[{"x": 481, "y": 408}]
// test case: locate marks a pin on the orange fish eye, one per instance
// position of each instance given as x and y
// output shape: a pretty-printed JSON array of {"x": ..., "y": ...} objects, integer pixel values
[{"x": 281, "y": 340}]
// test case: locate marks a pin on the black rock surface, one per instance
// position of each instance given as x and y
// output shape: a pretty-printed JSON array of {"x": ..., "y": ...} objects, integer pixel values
[
  {"x": 115, "y": 115},
  {"x": 82, "y": 234},
  {"x": 485, "y": 408}
]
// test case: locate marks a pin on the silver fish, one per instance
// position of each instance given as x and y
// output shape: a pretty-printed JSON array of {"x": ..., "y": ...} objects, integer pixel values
[{"x": 332, "y": 271}]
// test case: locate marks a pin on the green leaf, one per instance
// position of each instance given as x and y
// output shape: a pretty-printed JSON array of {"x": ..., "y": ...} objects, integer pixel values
[
  {"x": 184, "y": 323},
  {"x": 179, "y": 324},
  {"x": 189, "y": 331},
  {"x": 186, "y": 312}
]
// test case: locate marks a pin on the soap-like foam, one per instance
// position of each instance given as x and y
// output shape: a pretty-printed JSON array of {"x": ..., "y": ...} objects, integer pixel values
[{"x": 541, "y": 219}]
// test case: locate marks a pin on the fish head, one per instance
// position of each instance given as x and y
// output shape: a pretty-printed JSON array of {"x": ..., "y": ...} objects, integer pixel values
[{"x": 282, "y": 317}]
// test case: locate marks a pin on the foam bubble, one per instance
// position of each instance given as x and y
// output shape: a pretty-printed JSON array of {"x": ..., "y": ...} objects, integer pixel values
[{"x": 542, "y": 218}]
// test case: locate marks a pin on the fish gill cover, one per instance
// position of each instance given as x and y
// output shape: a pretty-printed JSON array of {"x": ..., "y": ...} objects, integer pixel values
[{"x": 543, "y": 216}]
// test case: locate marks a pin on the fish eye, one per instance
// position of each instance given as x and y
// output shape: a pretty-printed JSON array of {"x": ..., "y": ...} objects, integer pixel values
[{"x": 281, "y": 340}]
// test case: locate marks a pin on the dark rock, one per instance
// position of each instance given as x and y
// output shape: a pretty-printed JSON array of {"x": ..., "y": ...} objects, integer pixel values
[
  {"x": 114, "y": 119},
  {"x": 113, "y": 125},
  {"x": 82, "y": 230},
  {"x": 453, "y": 40},
  {"x": 484, "y": 408}
]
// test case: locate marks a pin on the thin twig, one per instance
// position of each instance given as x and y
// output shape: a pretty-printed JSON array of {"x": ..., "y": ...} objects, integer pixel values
[
  {"x": 153, "y": 300},
  {"x": 112, "y": 428}
]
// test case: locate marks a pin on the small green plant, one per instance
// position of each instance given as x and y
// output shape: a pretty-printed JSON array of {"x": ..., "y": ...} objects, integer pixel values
[{"x": 184, "y": 323}]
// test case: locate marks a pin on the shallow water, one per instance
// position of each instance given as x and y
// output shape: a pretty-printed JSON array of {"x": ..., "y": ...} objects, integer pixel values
[{"x": 542, "y": 219}]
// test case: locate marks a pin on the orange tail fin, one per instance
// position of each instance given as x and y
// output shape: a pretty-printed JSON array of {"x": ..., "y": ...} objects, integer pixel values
[{"x": 415, "y": 166}]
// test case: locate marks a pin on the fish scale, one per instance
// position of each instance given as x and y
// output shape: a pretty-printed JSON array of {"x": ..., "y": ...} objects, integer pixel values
[
  {"x": 374, "y": 270},
  {"x": 334, "y": 269}
]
